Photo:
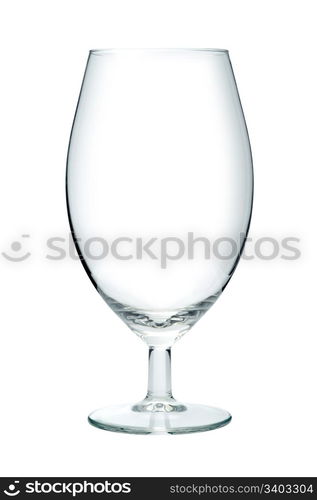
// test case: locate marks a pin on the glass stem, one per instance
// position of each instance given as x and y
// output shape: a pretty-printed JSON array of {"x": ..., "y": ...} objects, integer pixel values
[{"x": 159, "y": 381}]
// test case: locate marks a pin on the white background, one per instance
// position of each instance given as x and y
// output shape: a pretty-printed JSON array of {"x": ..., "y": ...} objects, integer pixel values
[{"x": 63, "y": 352}]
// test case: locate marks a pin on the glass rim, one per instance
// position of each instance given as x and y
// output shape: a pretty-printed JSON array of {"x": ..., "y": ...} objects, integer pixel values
[{"x": 101, "y": 52}]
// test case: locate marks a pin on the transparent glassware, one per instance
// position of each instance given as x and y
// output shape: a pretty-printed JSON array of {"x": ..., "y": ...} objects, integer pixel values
[{"x": 159, "y": 194}]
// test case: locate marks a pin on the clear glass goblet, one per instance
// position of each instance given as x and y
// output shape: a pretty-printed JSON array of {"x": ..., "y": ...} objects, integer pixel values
[{"x": 159, "y": 196}]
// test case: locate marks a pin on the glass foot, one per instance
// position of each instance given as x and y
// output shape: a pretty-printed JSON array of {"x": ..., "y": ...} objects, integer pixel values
[{"x": 159, "y": 418}]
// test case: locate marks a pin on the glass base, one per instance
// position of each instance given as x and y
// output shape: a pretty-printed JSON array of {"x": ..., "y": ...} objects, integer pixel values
[{"x": 159, "y": 418}]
